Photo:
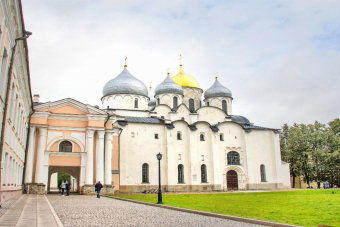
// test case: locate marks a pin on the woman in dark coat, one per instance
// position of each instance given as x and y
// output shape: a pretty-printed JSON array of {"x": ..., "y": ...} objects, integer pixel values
[{"x": 98, "y": 187}]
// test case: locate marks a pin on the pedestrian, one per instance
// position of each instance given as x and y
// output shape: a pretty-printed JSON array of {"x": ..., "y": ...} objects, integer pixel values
[
  {"x": 98, "y": 187},
  {"x": 324, "y": 185},
  {"x": 63, "y": 186},
  {"x": 327, "y": 184},
  {"x": 68, "y": 187},
  {"x": 318, "y": 184}
]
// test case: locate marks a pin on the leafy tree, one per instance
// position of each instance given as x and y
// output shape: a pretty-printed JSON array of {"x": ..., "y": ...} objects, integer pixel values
[{"x": 63, "y": 177}]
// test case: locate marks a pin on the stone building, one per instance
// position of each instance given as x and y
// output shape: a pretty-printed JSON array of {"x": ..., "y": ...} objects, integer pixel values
[
  {"x": 204, "y": 146},
  {"x": 15, "y": 98}
]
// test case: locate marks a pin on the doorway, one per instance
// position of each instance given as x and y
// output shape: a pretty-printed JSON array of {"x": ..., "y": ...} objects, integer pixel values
[{"x": 232, "y": 180}]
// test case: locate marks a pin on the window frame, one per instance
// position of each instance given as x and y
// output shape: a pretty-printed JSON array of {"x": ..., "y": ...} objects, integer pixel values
[
  {"x": 204, "y": 177},
  {"x": 180, "y": 174},
  {"x": 145, "y": 173},
  {"x": 232, "y": 159},
  {"x": 62, "y": 146},
  {"x": 136, "y": 103},
  {"x": 202, "y": 136},
  {"x": 179, "y": 135},
  {"x": 263, "y": 173}
]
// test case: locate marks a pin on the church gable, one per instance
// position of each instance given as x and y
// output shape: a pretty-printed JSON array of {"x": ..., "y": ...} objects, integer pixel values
[{"x": 69, "y": 106}]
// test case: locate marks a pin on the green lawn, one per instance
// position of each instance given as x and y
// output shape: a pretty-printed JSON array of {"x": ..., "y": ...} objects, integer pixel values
[{"x": 300, "y": 207}]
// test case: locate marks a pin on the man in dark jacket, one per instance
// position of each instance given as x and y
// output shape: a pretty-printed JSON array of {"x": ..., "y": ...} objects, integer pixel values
[
  {"x": 98, "y": 187},
  {"x": 68, "y": 188}
]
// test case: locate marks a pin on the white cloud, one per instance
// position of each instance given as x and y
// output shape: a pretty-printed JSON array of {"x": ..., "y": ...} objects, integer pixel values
[{"x": 278, "y": 58}]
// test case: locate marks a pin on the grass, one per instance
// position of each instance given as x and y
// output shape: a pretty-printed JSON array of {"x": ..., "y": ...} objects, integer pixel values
[{"x": 300, "y": 207}]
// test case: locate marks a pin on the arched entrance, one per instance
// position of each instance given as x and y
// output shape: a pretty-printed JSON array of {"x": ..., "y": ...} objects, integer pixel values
[
  {"x": 73, "y": 171},
  {"x": 232, "y": 180}
]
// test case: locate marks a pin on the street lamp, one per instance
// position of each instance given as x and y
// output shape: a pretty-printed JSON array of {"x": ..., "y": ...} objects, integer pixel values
[{"x": 159, "y": 157}]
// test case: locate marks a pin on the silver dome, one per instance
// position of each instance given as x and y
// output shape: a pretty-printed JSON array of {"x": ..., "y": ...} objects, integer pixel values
[
  {"x": 217, "y": 90},
  {"x": 125, "y": 83},
  {"x": 168, "y": 86}
]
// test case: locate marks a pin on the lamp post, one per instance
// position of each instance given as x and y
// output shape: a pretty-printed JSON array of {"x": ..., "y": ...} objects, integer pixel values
[{"x": 159, "y": 157}]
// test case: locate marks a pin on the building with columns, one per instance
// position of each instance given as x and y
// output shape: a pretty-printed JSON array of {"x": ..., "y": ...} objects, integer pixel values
[
  {"x": 15, "y": 98},
  {"x": 204, "y": 146}
]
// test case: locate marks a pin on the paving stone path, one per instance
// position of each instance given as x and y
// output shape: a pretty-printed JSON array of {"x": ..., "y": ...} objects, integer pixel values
[{"x": 80, "y": 210}]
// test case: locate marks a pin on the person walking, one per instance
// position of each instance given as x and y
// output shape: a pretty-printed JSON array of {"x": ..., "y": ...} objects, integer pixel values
[
  {"x": 327, "y": 184},
  {"x": 63, "y": 186},
  {"x": 68, "y": 187},
  {"x": 318, "y": 184},
  {"x": 98, "y": 187}
]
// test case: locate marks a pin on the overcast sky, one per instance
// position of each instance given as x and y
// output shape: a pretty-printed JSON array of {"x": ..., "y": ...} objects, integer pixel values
[{"x": 280, "y": 59}]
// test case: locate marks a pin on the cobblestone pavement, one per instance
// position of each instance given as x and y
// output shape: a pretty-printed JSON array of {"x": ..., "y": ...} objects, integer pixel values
[
  {"x": 80, "y": 210},
  {"x": 8, "y": 204}
]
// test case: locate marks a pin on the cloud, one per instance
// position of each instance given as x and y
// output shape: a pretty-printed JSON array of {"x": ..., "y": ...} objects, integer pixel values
[{"x": 279, "y": 58}]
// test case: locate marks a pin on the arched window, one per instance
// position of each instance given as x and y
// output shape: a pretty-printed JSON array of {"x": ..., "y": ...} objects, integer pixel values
[
  {"x": 263, "y": 173},
  {"x": 208, "y": 104},
  {"x": 179, "y": 136},
  {"x": 145, "y": 173},
  {"x": 204, "y": 173},
  {"x": 65, "y": 146},
  {"x": 180, "y": 173},
  {"x": 224, "y": 106},
  {"x": 191, "y": 105},
  {"x": 158, "y": 101},
  {"x": 202, "y": 137},
  {"x": 175, "y": 99},
  {"x": 233, "y": 158},
  {"x": 136, "y": 103}
]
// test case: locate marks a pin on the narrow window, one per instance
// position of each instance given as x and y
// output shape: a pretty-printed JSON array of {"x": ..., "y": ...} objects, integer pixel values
[
  {"x": 221, "y": 137},
  {"x": 233, "y": 158},
  {"x": 158, "y": 101},
  {"x": 179, "y": 136},
  {"x": 263, "y": 173},
  {"x": 180, "y": 174},
  {"x": 175, "y": 100},
  {"x": 179, "y": 156},
  {"x": 156, "y": 136},
  {"x": 17, "y": 117},
  {"x": 202, "y": 136},
  {"x": 204, "y": 173},
  {"x": 5, "y": 170},
  {"x": 202, "y": 157},
  {"x": 136, "y": 103},
  {"x": 3, "y": 71},
  {"x": 132, "y": 135},
  {"x": 9, "y": 171},
  {"x": 224, "y": 106},
  {"x": 145, "y": 173},
  {"x": 208, "y": 104},
  {"x": 11, "y": 102},
  {"x": 191, "y": 105},
  {"x": 65, "y": 146}
]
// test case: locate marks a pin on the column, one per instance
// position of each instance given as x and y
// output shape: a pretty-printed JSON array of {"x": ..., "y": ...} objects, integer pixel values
[
  {"x": 39, "y": 169},
  {"x": 108, "y": 158},
  {"x": 100, "y": 157},
  {"x": 30, "y": 156},
  {"x": 89, "y": 157}
]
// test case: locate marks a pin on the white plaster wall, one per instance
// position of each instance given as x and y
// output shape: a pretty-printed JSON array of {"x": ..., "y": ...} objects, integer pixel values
[
  {"x": 132, "y": 113},
  {"x": 211, "y": 115},
  {"x": 217, "y": 102},
  {"x": 80, "y": 136},
  {"x": 140, "y": 149},
  {"x": 167, "y": 99},
  {"x": 285, "y": 168},
  {"x": 182, "y": 111},
  {"x": 163, "y": 110},
  {"x": 260, "y": 150},
  {"x": 125, "y": 102},
  {"x": 52, "y": 134},
  {"x": 192, "y": 93}
]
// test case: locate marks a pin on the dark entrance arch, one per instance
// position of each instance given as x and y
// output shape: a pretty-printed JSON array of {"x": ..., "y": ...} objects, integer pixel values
[{"x": 232, "y": 181}]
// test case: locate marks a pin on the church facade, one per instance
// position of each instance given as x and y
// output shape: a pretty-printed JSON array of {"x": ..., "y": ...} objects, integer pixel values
[{"x": 204, "y": 146}]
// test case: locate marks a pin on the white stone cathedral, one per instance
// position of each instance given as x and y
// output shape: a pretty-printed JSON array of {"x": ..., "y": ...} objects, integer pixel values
[{"x": 204, "y": 146}]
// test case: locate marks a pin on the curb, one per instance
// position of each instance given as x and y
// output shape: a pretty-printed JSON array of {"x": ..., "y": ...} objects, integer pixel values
[{"x": 234, "y": 218}]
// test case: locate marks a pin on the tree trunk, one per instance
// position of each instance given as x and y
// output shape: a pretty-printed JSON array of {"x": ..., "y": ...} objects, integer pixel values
[
  {"x": 293, "y": 174},
  {"x": 307, "y": 178}
]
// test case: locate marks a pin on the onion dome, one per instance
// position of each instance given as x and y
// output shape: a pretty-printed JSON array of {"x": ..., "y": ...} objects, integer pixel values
[
  {"x": 152, "y": 101},
  {"x": 184, "y": 79},
  {"x": 168, "y": 86},
  {"x": 125, "y": 83},
  {"x": 217, "y": 90}
]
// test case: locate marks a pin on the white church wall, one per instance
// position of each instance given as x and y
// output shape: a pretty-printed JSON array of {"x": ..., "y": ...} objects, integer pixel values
[
  {"x": 217, "y": 102},
  {"x": 125, "y": 102},
  {"x": 132, "y": 113},
  {"x": 167, "y": 99},
  {"x": 260, "y": 150},
  {"x": 192, "y": 93},
  {"x": 163, "y": 110},
  {"x": 138, "y": 146},
  {"x": 211, "y": 115}
]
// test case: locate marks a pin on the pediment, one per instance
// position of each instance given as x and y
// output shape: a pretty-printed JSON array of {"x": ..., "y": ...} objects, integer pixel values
[{"x": 68, "y": 106}]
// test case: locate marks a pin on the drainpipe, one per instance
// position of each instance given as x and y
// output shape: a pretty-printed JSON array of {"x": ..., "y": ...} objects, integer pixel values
[
  {"x": 8, "y": 86},
  {"x": 26, "y": 148}
]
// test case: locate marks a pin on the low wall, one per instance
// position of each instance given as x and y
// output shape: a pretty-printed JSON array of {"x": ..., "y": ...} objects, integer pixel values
[
  {"x": 90, "y": 190},
  {"x": 9, "y": 194},
  {"x": 169, "y": 188}
]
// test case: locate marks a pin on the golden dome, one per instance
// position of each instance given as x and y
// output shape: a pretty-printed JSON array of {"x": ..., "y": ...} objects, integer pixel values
[{"x": 185, "y": 80}]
